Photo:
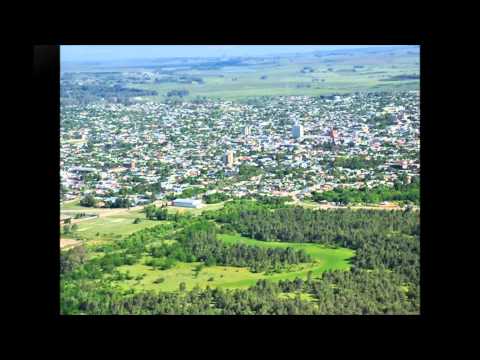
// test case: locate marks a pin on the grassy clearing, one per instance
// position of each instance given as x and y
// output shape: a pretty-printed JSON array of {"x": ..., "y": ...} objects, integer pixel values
[
  {"x": 229, "y": 277},
  {"x": 184, "y": 272},
  {"x": 114, "y": 226},
  {"x": 329, "y": 257}
]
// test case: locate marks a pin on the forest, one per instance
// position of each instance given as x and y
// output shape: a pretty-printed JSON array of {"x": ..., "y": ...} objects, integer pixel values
[
  {"x": 384, "y": 277},
  {"x": 335, "y": 293},
  {"x": 382, "y": 239},
  {"x": 84, "y": 94}
]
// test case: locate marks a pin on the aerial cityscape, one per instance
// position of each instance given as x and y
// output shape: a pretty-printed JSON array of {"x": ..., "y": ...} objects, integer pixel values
[{"x": 240, "y": 180}]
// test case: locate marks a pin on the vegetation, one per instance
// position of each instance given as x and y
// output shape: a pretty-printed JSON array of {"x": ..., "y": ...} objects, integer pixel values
[
  {"x": 215, "y": 198},
  {"x": 88, "y": 201},
  {"x": 84, "y": 94},
  {"x": 356, "y": 162},
  {"x": 400, "y": 192}
]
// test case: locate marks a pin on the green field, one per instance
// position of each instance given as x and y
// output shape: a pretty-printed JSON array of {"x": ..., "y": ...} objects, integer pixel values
[
  {"x": 75, "y": 205},
  {"x": 235, "y": 277},
  {"x": 111, "y": 227},
  {"x": 114, "y": 226},
  {"x": 285, "y": 78}
]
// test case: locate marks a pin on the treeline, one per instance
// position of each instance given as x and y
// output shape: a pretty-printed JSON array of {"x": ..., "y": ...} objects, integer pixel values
[
  {"x": 402, "y": 77},
  {"x": 154, "y": 213},
  {"x": 177, "y": 93},
  {"x": 400, "y": 192},
  {"x": 335, "y": 293},
  {"x": 84, "y": 94},
  {"x": 200, "y": 240},
  {"x": 272, "y": 202},
  {"x": 120, "y": 202},
  {"x": 382, "y": 239},
  {"x": 215, "y": 198},
  {"x": 182, "y": 79}
]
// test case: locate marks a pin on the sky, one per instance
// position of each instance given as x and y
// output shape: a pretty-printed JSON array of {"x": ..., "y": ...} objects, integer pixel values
[{"x": 76, "y": 53}]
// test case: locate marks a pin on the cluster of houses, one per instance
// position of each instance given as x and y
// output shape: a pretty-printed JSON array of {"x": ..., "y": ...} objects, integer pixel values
[{"x": 109, "y": 147}]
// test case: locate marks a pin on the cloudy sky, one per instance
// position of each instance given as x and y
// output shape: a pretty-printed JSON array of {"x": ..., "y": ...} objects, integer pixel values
[{"x": 117, "y": 52}]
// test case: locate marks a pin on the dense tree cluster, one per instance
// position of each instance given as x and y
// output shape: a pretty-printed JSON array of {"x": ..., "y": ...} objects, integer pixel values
[
  {"x": 177, "y": 93},
  {"x": 335, "y": 293},
  {"x": 84, "y": 94},
  {"x": 88, "y": 201},
  {"x": 405, "y": 193},
  {"x": 215, "y": 198},
  {"x": 246, "y": 171},
  {"x": 120, "y": 202},
  {"x": 382, "y": 239},
  {"x": 384, "y": 275},
  {"x": 357, "y": 162},
  {"x": 199, "y": 240}
]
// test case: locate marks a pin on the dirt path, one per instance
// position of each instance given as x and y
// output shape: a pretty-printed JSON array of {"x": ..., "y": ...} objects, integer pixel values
[{"x": 66, "y": 243}]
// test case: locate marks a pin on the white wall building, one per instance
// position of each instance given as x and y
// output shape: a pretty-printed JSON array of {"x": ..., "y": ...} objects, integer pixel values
[
  {"x": 189, "y": 203},
  {"x": 297, "y": 131}
]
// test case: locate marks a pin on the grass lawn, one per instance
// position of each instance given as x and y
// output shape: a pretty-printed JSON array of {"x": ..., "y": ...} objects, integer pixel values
[{"x": 113, "y": 226}]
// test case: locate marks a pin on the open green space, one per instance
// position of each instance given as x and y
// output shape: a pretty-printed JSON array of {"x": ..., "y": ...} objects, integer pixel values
[
  {"x": 329, "y": 257},
  {"x": 234, "y": 277},
  {"x": 111, "y": 227},
  {"x": 75, "y": 205},
  {"x": 285, "y": 78}
]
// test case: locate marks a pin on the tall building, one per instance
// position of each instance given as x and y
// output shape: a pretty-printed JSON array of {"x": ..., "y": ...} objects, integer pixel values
[
  {"x": 297, "y": 131},
  {"x": 247, "y": 131},
  {"x": 228, "y": 158},
  {"x": 333, "y": 135}
]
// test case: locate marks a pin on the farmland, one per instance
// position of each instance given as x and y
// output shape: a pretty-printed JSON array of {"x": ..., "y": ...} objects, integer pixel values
[{"x": 286, "y": 79}]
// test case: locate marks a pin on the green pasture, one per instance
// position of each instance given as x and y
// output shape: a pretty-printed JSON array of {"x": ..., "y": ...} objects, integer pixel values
[{"x": 284, "y": 77}]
